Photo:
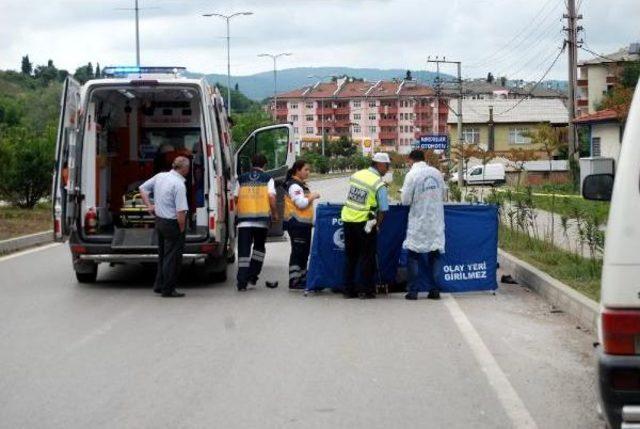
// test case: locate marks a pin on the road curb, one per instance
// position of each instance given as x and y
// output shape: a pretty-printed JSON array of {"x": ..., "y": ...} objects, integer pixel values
[
  {"x": 25, "y": 241},
  {"x": 552, "y": 290}
]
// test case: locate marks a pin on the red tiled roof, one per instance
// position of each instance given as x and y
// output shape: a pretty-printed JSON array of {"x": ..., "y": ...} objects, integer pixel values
[
  {"x": 322, "y": 90},
  {"x": 360, "y": 89},
  {"x": 354, "y": 89},
  {"x": 606, "y": 115}
]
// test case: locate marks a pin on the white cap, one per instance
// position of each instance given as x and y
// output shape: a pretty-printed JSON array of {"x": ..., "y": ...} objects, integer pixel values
[{"x": 381, "y": 157}]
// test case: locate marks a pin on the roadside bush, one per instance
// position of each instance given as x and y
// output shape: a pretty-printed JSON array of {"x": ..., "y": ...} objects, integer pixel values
[{"x": 27, "y": 162}]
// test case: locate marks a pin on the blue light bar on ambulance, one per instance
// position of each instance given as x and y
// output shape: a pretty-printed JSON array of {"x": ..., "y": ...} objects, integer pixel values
[{"x": 127, "y": 71}]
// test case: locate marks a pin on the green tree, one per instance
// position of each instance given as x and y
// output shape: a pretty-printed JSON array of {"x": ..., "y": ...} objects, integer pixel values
[
  {"x": 27, "y": 164},
  {"x": 246, "y": 123},
  {"x": 46, "y": 74},
  {"x": 84, "y": 73},
  {"x": 549, "y": 138},
  {"x": 98, "y": 71},
  {"x": 26, "y": 67},
  {"x": 630, "y": 74},
  {"x": 490, "y": 78}
]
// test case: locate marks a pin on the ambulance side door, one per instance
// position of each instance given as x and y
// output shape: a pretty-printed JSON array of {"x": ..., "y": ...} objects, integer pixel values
[
  {"x": 276, "y": 143},
  {"x": 63, "y": 192}
]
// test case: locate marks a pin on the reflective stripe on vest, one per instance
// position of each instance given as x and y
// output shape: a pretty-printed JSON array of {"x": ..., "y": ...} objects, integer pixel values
[
  {"x": 291, "y": 211},
  {"x": 361, "y": 199},
  {"x": 253, "y": 197}
]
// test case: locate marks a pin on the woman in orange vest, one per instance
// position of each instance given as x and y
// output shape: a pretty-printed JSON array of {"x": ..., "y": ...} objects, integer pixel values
[{"x": 298, "y": 221}]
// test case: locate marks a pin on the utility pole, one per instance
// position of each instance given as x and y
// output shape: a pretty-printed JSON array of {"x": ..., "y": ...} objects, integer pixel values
[
  {"x": 137, "y": 10},
  {"x": 572, "y": 43},
  {"x": 438, "y": 61},
  {"x": 275, "y": 57},
  {"x": 137, "y": 34},
  {"x": 228, "y": 19}
]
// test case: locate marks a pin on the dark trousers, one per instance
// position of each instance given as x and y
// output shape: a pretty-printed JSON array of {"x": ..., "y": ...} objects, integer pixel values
[
  {"x": 170, "y": 248},
  {"x": 420, "y": 265},
  {"x": 300, "y": 246},
  {"x": 360, "y": 248},
  {"x": 250, "y": 262}
]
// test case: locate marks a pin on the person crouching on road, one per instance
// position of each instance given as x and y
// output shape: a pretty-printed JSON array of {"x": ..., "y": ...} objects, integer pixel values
[
  {"x": 298, "y": 221},
  {"x": 255, "y": 197},
  {"x": 170, "y": 211},
  {"x": 362, "y": 215},
  {"x": 423, "y": 190}
]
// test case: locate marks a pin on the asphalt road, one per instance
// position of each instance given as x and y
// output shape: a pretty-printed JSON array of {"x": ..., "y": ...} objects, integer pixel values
[{"x": 115, "y": 355}]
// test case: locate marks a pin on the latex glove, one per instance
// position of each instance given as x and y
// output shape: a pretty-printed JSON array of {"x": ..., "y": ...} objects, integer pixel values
[{"x": 368, "y": 227}]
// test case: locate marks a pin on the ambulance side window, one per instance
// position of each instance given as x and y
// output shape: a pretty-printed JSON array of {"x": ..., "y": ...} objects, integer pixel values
[{"x": 244, "y": 156}]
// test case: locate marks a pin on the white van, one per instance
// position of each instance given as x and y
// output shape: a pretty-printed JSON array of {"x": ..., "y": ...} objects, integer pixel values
[
  {"x": 115, "y": 133},
  {"x": 490, "y": 174},
  {"x": 619, "y": 322}
]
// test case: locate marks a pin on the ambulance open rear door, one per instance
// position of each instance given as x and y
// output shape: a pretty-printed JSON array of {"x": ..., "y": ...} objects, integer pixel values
[{"x": 64, "y": 191}]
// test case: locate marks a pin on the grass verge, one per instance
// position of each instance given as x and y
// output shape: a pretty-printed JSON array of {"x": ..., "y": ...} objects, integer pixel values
[
  {"x": 580, "y": 273},
  {"x": 15, "y": 222},
  {"x": 568, "y": 206}
]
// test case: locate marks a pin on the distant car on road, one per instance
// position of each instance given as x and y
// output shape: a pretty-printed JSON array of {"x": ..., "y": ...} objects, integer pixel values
[
  {"x": 619, "y": 323},
  {"x": 489, "y": 174}
]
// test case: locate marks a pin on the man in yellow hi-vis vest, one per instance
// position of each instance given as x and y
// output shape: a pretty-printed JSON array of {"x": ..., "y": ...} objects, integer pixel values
[
  {"x": 256, "y": 203},
  {"x": 362, "y": 214}
]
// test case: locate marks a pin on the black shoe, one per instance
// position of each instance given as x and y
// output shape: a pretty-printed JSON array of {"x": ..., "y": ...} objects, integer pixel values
[
  {"x": 296, "y": 286},
  {"x": 434, "y": 294},
  {"x": 368, "y": 295},
  {"x": 411, "y": 296},
  {"x": 157, "y": 290},
  {"x": 347, "y": 295},
  {"x": 242, "y": 288},
  {"x": 253, "y": 280},
  {"x": 173, "y": 294},
  {"x": 271, "y": 285}
]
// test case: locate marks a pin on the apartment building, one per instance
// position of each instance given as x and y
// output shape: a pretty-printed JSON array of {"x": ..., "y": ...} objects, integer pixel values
[
  {"x": 382, "y": 115},
  {"x": 599, "y": 74}
]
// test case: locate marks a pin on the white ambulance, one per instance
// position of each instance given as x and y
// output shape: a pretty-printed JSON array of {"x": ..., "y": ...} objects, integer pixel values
[
  {"x": 116, "y": 132},
  {"x": 619, "y": 323}
]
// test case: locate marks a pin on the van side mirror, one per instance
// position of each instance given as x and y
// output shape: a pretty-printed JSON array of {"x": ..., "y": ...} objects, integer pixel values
[{"x": 598, "y": 187}]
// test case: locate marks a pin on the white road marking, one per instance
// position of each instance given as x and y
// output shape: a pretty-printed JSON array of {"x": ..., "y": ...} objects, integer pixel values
[
  {"x": 508, "y": 397},
  {"x": 26, "y": 252},
  {"x": 100, "y": 331}
]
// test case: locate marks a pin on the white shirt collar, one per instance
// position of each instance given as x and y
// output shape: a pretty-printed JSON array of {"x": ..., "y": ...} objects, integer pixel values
[{"x": 184, "y": 179}]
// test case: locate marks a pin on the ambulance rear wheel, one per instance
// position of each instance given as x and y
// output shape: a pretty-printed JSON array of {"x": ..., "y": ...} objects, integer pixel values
[
  {"x": 218, "y": 276},
  {"x": 87, "y": 277}
]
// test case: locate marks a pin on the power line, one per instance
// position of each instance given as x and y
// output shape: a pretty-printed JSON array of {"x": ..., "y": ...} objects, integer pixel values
[
  {"x": 534, "y": 87},
  {"x": 595, "y": 53},
  {"x": 524, "y": 29},
  {"x": 529, "y": 32}
]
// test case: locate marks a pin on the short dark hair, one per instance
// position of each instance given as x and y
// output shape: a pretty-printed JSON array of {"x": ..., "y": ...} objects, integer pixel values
[
  {"x": 416, "y": 155},
  {"x": 259, "y": 160}
]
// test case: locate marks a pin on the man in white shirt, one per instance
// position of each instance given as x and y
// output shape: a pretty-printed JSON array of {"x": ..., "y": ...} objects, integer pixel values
[
  {"x": 424, "y": 190},
  {"x": 170, "y": 209}
]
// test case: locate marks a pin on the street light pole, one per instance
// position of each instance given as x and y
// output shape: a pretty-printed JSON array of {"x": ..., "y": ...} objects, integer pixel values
[
  {"x": 228, "y": 19},
  {"x": 275, "y": 57}
]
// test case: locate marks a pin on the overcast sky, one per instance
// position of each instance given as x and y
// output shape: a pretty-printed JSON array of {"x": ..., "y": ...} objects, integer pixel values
[{"x": 517, "y": 38}]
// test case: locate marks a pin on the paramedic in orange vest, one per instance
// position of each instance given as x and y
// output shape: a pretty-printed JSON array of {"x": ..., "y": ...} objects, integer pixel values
[
  {"x": 298, "y": 221},
  {"x": 255, "y": 196}
]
